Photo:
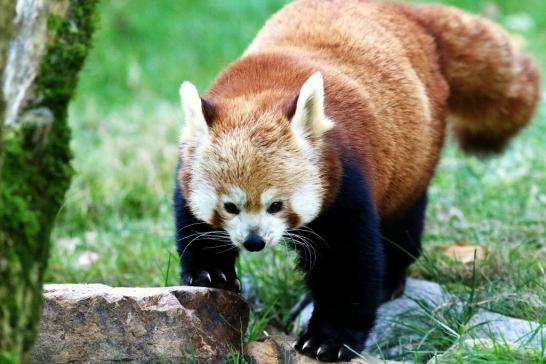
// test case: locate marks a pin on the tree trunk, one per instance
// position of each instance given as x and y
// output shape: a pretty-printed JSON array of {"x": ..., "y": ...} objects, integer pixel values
[
  {"x": 43, "y": 44},
  {"x": 6, "y": 24}
]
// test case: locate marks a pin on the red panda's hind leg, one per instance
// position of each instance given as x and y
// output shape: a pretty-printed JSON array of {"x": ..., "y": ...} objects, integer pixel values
[{"x": 401, "y": 239}]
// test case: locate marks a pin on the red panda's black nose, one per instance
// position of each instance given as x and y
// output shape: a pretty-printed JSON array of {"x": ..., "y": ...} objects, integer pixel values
[{"x": 254, "y": 242}]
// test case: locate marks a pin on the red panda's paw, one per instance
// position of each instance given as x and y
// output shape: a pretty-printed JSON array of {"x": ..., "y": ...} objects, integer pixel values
[
  {"x": 213, "y": 278},
  {"x": 329, "y": 347}
]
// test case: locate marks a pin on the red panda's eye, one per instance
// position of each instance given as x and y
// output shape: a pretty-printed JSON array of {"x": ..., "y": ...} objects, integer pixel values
[
  {"x": 231, "y": 208},
  {"x": 275, "y": 207}
]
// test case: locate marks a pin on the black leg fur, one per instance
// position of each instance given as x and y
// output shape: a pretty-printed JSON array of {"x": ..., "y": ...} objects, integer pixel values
[
  {"x": 205, "y": 262},
  {"x": 402, "y": 244},
  {"x": 346, "y": 275}
]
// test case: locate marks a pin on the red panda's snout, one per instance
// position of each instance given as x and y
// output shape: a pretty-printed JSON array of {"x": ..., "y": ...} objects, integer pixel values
[
  {"x": 253, "y": 227},
  {"x": 254, "y": 242}
]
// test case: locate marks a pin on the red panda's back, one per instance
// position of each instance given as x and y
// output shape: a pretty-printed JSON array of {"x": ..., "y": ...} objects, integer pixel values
[{"x": 383, "y": 87}]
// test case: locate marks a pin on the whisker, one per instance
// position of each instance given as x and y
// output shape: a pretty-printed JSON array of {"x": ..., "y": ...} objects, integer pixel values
[
  {"x": 308, "y": 249},
  {"x": 226, "y": 243},
  {"x": 219, "y": 235},
  {"x": 309, "y": 230},
  {"x": 232, "y": 247},
  {"x": 308, "y": 240},
  {"x": 190, "y": 225},
  {"x": 187, "y": 246},
  {"x": 199, "y": 236},
  {"x": 207, "y": 233}
]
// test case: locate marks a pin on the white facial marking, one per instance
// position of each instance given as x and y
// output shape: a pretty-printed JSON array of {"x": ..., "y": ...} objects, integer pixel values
[
  {"x": 270, "y": 227},
  {"x": 267, "y": 197},
  {"x": 234, "y": 195},
  {"x": 203, "y": 200},
  {"x": 306, "y": 202}
]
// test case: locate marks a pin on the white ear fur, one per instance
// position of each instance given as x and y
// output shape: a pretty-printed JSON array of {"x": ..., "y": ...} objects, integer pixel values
[
  {"x": 309, "y": 118},
  {"x": 196, "y": 125}
]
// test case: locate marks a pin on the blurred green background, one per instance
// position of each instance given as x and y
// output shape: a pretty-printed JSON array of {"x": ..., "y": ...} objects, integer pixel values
[{"x": 116, "y": 226}]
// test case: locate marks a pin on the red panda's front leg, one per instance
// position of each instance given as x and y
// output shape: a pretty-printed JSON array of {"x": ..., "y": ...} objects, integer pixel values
[
  {"x": 207, "y": 257},
  {"x": 346, "y": 277}
]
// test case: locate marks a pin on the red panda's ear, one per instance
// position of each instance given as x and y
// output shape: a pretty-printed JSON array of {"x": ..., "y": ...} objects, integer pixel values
[
  {"x": 288, "y": 107},
  {"x": 195, "y": 113},
  {"x": 309, "y": 117},
  {"x": 208, "y": 111}
]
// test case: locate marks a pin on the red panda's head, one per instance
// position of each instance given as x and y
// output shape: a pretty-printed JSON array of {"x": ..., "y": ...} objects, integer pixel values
[{"x": 253, "y": 168}]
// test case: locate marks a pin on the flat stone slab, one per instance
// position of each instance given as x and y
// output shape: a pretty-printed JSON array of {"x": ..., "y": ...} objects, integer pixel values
[
  {"x": 491, "y": 325},
  {"x": 280, "y": 350},
  {"x": 91, "y": 323}
]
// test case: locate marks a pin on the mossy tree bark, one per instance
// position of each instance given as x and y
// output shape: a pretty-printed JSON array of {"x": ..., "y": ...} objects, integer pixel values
[
  {"x": 6, "y": 25},
  {"x": 42, "y": 48}
]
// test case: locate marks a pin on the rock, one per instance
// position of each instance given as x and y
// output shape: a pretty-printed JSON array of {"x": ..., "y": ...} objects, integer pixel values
[
  {"x": 96, "y": 323},
  {"x": 383, "y": 332},
  {"x": 415, "y": 290},
  {"x": 487, "y": 325},
  {"x": 380, "y": 339},
  {"x": 280, "y": 350},
  {"x": 385, "y": 338}
]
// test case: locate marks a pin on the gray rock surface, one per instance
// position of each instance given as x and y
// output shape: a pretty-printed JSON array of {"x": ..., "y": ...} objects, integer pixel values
[
  {"x": 89, "y": 323},
  {"x": 493, "y": 325},
  {"x": 280, "y": 350},
  {"x": 386, "y": 340},
  {"x": 415, "y": 290}
]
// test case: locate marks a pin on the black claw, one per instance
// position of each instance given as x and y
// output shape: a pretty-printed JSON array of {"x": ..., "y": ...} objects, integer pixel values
[
  {"x": 328, "y": 350},
  {"x": 202, "y": 279},
  {"x": 319, "y": 343},
  {"x": 214, "y": 278},
  {"x": 345, "y": 354},
  {"x": 308, "y": 347}
]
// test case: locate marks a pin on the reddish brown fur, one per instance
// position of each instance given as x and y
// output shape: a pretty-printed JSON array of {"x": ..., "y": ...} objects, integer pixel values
[
  {"x": 388, "y": 71},
  {"x": 494, "y": 87},
  {"x": 217, "y": 219},
  {"x": 293, "y": 220}
]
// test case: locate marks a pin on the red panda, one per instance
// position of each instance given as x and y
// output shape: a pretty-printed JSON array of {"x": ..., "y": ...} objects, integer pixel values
[{"x": 325, "y": 134}]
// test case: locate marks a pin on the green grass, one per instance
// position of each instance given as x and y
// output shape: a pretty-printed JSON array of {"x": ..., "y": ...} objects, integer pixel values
[{"x": 125, "y": 121}]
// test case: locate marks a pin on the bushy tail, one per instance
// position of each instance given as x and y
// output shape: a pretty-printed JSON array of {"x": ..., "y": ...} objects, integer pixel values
[{"x": 494, "y": 87}]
